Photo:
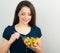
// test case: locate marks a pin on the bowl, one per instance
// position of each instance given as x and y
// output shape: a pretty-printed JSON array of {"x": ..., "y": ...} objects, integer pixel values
[{"x": 28, "y": 41}]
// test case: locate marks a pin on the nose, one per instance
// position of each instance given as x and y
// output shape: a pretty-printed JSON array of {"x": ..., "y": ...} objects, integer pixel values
[{"x": 26, "y": 16}]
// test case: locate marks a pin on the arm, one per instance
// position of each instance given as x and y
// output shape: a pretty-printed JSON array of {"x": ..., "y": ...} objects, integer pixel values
[
  {"x": 37, "y": 47},
  {"x": 7, "y": 43},
  {"x": 40, "y": 45},
  {"x": 4, "y": 46}
]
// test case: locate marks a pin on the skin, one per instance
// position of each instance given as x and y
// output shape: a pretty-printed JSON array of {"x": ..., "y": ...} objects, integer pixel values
[{"x": 24, "y": 18}]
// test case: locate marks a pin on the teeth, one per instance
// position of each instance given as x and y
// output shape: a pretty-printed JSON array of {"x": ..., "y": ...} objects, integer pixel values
[{"x": 25, "y": 20}]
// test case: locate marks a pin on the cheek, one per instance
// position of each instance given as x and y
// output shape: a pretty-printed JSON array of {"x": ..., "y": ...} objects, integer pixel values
[
  {"x": 20, "y": 17},
  {"x": 30, "y": 18}
]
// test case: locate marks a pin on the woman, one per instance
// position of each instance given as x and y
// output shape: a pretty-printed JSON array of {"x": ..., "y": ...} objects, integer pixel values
[{"x": 23, "y": 25}]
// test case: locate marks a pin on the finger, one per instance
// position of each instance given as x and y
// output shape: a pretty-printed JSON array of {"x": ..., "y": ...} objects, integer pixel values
[
  {"x": 35, "y": 45},
  {"x": 17, "y": 35},
  {"x": 33, "y": 48}
]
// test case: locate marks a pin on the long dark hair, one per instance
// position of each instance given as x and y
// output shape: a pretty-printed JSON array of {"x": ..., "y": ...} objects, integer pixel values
[{"x": 18, "y": 8}]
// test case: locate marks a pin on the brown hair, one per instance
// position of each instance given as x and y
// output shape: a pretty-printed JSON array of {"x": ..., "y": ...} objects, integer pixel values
[{"x": 18, "y": 8}]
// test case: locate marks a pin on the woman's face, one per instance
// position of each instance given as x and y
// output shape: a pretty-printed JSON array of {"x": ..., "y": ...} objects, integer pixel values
[{"x": 24, "y": 15}]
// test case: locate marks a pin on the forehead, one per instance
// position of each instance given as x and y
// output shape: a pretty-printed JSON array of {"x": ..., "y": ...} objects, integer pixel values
[{"x": 25, "y": 9}]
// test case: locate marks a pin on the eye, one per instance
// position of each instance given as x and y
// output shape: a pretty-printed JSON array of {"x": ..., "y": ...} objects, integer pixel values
[
  {"x": 29, "y": 14},
  {"x": 23, "y": 14}
]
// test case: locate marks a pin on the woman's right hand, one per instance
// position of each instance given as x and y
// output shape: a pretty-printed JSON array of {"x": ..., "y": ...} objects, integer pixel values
[
  {"x": 5, "y": 45},
  {"x": 13, "y": 37}
]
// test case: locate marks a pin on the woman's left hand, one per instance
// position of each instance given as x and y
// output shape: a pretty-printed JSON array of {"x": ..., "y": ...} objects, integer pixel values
[{"x": 37, "y": 47}]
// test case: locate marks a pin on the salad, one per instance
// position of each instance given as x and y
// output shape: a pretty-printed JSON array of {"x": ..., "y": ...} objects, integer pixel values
[{"x": 30, "y": 41}]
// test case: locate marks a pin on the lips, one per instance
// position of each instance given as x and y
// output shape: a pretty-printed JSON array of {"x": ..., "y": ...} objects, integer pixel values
[{"x": 25, "y": 20}]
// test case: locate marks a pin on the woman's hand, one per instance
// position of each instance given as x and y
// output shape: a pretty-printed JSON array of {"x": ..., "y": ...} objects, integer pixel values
[
  {"x": 5, "y": 45},
  {"x": 37, "y": 47},
  {"x": 13, "y": 37}
]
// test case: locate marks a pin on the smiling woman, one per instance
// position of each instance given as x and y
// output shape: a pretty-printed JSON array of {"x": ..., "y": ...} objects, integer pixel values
[
  {"x": 24, "y": 15},
  {"x": 23, "y": 26}
]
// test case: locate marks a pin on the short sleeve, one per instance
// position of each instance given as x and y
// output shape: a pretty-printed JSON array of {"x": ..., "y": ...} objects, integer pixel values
[
  {"x": 39, "y": 32},
  {"x": 6, "y": 33}
]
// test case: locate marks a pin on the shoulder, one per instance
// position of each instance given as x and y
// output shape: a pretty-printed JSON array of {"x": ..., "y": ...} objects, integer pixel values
[
  {"x": 37, "y": 31},
  {"x": 8, "y": 27},
  {"x": 7, "y": 32},
  {"x": 36, "y": 27}
]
